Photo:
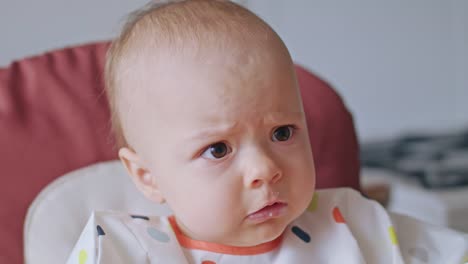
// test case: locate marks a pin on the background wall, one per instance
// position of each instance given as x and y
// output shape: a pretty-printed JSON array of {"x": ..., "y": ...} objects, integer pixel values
[{"x": 399, "y": 65}]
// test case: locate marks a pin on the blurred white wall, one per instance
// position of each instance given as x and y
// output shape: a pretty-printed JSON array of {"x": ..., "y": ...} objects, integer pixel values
[
  {"x": 29, "y": 27},
  {"x": 400, "y": 65}
]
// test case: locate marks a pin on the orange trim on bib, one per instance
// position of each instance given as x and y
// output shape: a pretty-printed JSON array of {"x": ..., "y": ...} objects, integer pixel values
[{"x": 189, "y": 243}]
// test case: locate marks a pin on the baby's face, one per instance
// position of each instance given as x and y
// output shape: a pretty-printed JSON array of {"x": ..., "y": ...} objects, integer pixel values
[{"x": 227, "y": 143}]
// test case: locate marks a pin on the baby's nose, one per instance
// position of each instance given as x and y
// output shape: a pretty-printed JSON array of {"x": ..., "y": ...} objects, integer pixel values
[{"x": 262, "y": 170}]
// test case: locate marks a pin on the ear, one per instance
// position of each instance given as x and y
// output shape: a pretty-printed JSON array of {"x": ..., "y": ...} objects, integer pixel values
[{"x": 140, "y": 175}]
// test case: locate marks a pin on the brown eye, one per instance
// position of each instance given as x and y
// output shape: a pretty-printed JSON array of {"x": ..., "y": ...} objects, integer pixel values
[
  {"x": 216, "y": 151},
  {"x": 282, "y": 133}
]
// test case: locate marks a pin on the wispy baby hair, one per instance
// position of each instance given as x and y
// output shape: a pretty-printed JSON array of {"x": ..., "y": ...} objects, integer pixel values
[{"x": 176, "y": 27}]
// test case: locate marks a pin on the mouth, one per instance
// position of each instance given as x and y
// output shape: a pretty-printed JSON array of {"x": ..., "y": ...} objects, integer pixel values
[{"x": 269, "y": 211}]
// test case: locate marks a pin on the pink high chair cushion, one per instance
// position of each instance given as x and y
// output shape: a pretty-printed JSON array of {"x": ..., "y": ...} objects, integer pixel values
[{"x": 54, "y": 118}]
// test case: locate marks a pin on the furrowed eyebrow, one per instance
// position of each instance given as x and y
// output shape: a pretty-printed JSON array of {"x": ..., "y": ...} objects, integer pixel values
[
  {"x": 212, "y": 131},
  {"x": 282, "y": 116},
  {"x": 223, "y": 129}
]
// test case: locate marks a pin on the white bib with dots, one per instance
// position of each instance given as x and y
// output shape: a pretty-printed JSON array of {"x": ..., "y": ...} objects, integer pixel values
[{"x": 340, "y": 226}]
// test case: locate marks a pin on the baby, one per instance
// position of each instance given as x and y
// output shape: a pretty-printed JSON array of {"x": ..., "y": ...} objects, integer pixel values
[{"x": 206, "y": 104}]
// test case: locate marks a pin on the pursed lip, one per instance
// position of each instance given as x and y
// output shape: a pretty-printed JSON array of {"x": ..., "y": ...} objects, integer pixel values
[
  {"x": 269, "y": 203},
  {"x": 270, "y": 211}
]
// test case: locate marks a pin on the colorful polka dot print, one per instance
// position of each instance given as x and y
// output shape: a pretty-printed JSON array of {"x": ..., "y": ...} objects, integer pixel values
[
  {"x": 301, "y": 234},
  {"x": 314, "y": 203},
  {"x": 338, "y": 216},
  {"x": 393, "y": 236},
  {"x": 82, "y": 257},
  {"x": 164, "y": 236}
]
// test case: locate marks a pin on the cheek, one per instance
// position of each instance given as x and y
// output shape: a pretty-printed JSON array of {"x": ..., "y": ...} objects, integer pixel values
[
  {"x": 208, "y": 206},
  {"x": 214, "y": 210},
  {"x": 305, "y": 185},
  {"x": 296, "y": 159},
  {"x": 302, "y": 171},
  {"x": 299, "y": 172}
]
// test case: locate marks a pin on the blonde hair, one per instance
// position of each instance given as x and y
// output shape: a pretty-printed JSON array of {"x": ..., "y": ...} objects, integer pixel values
[{"x": 178, "y": 24}]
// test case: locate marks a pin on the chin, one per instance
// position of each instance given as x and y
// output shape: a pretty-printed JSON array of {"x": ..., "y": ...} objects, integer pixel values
[{"x": 269, "y": 231}]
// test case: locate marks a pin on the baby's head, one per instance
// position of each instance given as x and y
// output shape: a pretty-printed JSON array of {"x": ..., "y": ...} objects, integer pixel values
[{"x": 205, "y": 99}]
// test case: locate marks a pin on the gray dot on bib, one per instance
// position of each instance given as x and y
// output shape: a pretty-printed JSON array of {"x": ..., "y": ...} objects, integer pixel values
[{"x": 157, "y": 235}]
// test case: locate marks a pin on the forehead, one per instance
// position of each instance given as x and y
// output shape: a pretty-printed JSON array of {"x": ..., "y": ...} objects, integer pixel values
[
  {"x": 219, "y": 84},
  {"x": 180, "y": 91}
]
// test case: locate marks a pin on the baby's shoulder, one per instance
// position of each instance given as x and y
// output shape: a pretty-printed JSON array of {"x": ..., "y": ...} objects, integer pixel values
[
  {"x": 345, "y": 221},
  {"x": 135, "y": 237},
  {"x": 117, "y": 221},
  {"x": 340, "y": 193},
  {"x": 341, "y": 220},
  {"x": 123, "y": 216},
  {"x": 340, "y": 197},
  {"x": 337, "y": 204}
]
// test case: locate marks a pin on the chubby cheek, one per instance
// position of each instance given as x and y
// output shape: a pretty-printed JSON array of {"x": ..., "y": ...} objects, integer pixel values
[
  {"x": 306, "y": 188},
  {"x": 301, "y": 173},
  {"x": 218, "y": 221},
  {"x": 208, "y": 211}
]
